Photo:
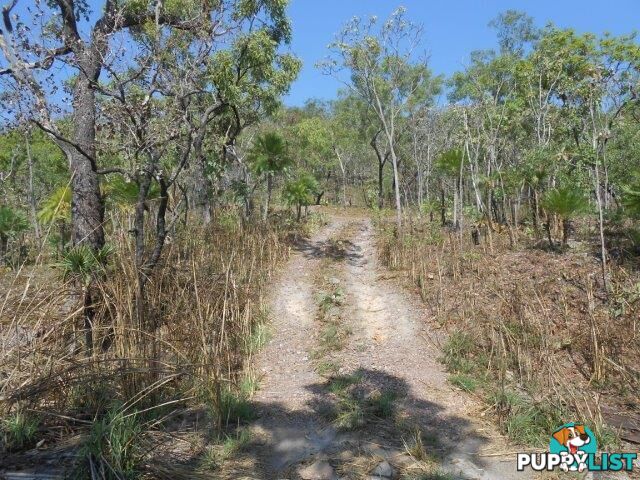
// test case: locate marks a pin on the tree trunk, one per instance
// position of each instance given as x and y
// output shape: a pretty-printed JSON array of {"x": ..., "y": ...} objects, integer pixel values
[
  {"x": 443, "y": 208},
  {"x": 535, "y": 212},
  {"x": 87, "y": 210},
  {"x": 396, "y": 188},
  {"x": 3, "y": 248},
  {"x": 547, "y": 227},
  {"x": 31, "y": 193},
  {"x": 265, "y": 214},
  {"x": 603, "y": 248},
  {"x": 381, "y": 184},
  {"x": 567, "y": 227}
]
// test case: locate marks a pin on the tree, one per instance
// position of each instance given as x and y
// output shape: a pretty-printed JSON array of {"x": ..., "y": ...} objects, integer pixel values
[
  {"x": 300, "y": 192},
  {"x": 380, "y": 62},
  {"x": 269, "y": 156},
  {"x": 30, "y": 52},
  {"x": 566, "y": 202},
  {"x": 451, "y": 164},
  {"x": 514, "y": 30}
]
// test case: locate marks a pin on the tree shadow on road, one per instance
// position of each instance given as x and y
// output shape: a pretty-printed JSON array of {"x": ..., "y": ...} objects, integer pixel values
[
  {"x": 335, "y": 249},
  {"x": 285, "y": 441}
]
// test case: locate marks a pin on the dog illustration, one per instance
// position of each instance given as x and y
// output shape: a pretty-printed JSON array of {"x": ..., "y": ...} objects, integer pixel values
[{"x": 572, "y": 438}]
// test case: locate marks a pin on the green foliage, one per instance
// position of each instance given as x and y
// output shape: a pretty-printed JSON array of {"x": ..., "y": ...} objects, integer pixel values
[
  {"x": 457, "y": 351},
  {"x": 12, "y": 222},
  {"x": 566, "y": 202},
  {"x": 19, "y": 430},
  {"x": 631, "y": 197},
  {"x": 301, "y": 190},
  {"x": 382, "y": 404},
  {"x": 113, "y": 447},
  {"x": 122, "y": 193},
  {"x": 259, "y": 337},
  {"x": 57, "y": 206},
  {"x": 235, "y": 407},
  {"x": 449, "y": 162},
  {"x": 270, "y": 154},
  {"x": 82, "y": 264},
  {"x": 468, "y": 383},
  {"x": 225, "y": 448},
  {"x": 525, "y": 421}
]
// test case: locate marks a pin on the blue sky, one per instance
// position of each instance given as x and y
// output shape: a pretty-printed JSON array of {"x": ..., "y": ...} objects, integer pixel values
[{"x": 452, "y": 28}]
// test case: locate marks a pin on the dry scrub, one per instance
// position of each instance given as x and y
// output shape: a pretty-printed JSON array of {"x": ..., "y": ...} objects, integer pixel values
[
  {"x": 178, "y": 374},
  {"x": 530, "y": 331}
]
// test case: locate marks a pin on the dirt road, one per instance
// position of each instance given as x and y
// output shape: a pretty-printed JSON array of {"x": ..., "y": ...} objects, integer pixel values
[{"x": 379, "y": 375}]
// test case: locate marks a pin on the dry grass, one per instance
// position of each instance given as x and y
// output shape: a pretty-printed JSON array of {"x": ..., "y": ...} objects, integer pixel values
[
  {"x": 203, "y": 320},
  {"x": 530, "y": 331}
]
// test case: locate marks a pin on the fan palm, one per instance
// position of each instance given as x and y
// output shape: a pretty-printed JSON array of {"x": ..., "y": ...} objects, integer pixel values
[
  {"x": 565, "y": 202},
  {"x": 300, "y": 192},
  {"x": 123, "y": 195},
  {"x": 269, "y": 156}
]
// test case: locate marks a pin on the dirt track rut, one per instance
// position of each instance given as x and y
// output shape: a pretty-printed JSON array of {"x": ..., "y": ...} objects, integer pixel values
[{"x": 391, "y": 348}]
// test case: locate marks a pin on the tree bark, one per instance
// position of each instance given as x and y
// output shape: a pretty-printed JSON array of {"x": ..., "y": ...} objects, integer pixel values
[
  {"x": 267, "y": 202},
  {"x": 394, "y": 163},
  {"x": 87, "y": 210},
  {"x": 31, "y": 192}
]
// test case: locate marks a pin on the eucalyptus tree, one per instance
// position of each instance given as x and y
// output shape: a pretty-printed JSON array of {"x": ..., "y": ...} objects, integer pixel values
[
  {"x": 251, "y": 76},
  {"x": 357, "y": 126},
  {"x": 62, "y": 33},
  {"x": 380, "y": 60}
]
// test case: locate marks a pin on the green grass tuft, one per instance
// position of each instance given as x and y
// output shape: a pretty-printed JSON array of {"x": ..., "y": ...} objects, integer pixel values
[
  {"x": 466, "y": 382},
  {"x": 235, "y": 408},
  {"x": 19, "y": 430},
  {"x": 382, "y": 404},
  {"x": 113, "y": 446}
]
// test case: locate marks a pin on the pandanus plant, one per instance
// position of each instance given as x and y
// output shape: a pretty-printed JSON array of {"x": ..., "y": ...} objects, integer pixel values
[{"x": 81, "y": 265}]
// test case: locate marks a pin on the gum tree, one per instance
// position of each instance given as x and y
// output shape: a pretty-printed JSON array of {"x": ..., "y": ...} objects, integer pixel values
[
  {"x": 40, "y": 37},
  {"x": 380, "y": 60}
]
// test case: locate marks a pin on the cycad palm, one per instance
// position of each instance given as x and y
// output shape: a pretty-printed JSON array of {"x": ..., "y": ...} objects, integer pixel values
[
  {"x": 56, "y": 209},
  {"x": 565, "y": 202},
  {"x": 56, "y": 206},
  {"x": 269, "y": 156}
]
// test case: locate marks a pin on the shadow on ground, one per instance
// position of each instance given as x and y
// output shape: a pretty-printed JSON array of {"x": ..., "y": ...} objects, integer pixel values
[
  {"x": 335, "y": 249},
  {"x": 286, "y": 441}
]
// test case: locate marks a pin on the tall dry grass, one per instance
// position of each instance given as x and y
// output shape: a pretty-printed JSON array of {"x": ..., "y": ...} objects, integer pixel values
[
  {"x": 530, "y": 331},
  {"x": 203, "y": 313}
]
